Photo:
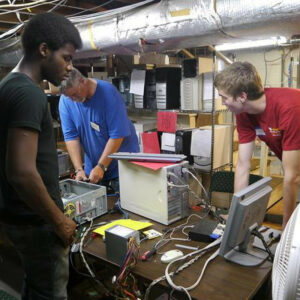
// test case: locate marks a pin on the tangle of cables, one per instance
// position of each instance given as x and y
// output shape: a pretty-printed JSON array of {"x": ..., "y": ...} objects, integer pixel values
[{"x": 125, "y": 282}]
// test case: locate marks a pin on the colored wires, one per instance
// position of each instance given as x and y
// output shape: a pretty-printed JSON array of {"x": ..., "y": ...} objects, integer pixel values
[{"x": 125, "y": 282}]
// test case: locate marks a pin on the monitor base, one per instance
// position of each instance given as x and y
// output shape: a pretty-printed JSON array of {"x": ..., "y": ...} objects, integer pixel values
[{"x": 253, "y": 257}]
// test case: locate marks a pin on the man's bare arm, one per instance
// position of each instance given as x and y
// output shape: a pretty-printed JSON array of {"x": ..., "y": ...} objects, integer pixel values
[
  {"x": 112, "y": 145},
  {"x": 74, "y": 150},
  {"x": 22, "y": 174},
  {"x": 241, "y": 177},
  {"x": 291, "y": 167}
]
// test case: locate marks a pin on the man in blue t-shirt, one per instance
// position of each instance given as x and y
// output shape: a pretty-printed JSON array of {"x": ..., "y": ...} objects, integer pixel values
[{"x": 93, "y": 114}]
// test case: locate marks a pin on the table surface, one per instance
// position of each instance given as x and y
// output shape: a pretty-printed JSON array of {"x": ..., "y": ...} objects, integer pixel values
[{"x": 221, "y": 280}]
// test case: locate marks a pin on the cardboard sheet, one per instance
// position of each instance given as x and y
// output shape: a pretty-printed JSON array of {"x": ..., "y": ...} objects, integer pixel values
[
  {"x": 137, "y": 82},
  {"x": 166, "y": 121},
  {"x": 168, "y": 141},
  {"x": 152, "y": 165},
  {"x": 150, "y": 142}
]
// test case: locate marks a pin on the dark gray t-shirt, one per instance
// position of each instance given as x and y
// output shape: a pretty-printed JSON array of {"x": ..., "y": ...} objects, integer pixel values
[{"x": 24, "y": 104}]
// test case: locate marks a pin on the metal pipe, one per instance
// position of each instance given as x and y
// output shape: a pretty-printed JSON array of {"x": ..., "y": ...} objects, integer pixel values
[{"x": 220, "y": 55}]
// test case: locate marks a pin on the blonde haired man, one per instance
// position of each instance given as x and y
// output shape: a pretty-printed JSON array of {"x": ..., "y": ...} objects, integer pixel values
[{"x": 272, "y": 115}]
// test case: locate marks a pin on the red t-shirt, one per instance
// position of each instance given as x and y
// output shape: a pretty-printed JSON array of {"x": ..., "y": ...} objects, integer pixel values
[{"x": 278, "y": 126}]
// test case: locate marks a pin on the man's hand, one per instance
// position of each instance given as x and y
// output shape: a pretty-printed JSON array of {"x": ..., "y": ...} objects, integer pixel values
[
  {"x": 81, "y": 176},
  {"x": 96, "y": 175},
  {"x": 66, "y": 230}
]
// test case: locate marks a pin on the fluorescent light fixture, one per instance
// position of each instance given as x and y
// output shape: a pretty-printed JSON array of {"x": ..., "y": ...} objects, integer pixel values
[{"x": 273, "y": 41}]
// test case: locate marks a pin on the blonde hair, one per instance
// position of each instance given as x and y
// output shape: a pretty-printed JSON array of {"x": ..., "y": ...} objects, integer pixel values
[{"x": 240, "y": 77}]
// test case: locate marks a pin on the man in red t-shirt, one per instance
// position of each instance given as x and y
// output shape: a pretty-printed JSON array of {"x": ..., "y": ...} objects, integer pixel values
[{"x": 273, "y": 115}]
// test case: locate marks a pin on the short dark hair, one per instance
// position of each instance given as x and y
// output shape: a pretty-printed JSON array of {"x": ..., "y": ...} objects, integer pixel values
[
  {"x": 240, "y": 77},
  {"x": 52, "y": 29}
]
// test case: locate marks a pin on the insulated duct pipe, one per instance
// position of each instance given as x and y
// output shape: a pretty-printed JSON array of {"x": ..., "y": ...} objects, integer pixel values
[{"x": 177, "y": 24}]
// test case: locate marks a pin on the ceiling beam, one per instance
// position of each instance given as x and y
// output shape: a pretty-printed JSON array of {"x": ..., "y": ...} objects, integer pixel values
[
  {"x": 91, "y": 6},
  {"x": 129, "y": 1},
  {"x": 9, "y": 19}
]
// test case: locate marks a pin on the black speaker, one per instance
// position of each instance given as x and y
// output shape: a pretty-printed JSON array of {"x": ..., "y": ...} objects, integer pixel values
[
  {"x": 168, "y": 74},
  {"x": 183, "y": 141},
  {"x": 168, "y": 87},
  {"x": 189, "y": 68},
  {"x": 116, "y": 81}
]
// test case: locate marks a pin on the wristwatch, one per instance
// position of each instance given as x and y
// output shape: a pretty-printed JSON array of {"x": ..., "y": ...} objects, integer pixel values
[{"x": 104, "y": 169}]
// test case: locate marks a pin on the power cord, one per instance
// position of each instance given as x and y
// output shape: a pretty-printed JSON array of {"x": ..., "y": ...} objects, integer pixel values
[
  {"x": 168, "y": 275},
  {"x": 117, "y": 208},
  {"x": 257, "y": 233},
  {"x": 187, "y": 264},
  {"x": 185, "y": 185},
  {"x": 92, "y": 274},
  {"x": 206, "y": 197},
  {"x": 164, "y": 240}
]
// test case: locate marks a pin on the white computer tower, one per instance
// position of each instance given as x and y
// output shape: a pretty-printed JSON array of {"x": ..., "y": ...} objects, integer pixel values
[
  {"x": 191, "y": 93},
  {"x": 147, "y": 193},
  {"x": 207, "y": 91},
  {"x": 138, "y": 101},
  {"x": 161, "y": 95}
]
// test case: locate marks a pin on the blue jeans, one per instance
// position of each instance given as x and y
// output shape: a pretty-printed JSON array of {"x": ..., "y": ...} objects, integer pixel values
[{"x": 45, "y": 261}]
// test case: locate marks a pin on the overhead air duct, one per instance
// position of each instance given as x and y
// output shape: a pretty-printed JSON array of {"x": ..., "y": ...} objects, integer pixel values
[
  {"x": 177, "y": 24},
  {"x": 10, "y": 52}
]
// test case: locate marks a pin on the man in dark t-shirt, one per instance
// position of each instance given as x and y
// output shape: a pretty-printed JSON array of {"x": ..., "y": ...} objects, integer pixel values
[
  {"x": 31, "y": 210},
  {"x": 19, "y": 92}
]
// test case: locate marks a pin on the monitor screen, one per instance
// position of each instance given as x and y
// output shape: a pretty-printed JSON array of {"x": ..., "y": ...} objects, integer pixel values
[{"x": 247, "y": 211}]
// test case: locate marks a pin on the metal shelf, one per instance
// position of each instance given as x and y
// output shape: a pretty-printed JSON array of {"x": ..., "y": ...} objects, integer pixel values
[
  {"x": 133, "y": 109},
  {"x": 207, "y": 168}
]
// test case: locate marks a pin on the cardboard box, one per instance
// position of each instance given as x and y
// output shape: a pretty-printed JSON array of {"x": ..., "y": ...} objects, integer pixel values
[
  {"x": 201, "y": 144},
  {"x": 204, "y": 119},
  {"x": 49, "y": 88},
  {"x": 221, "y": 200},
  {"x": 151, "y": 58},
  {"x": 98, "y": 75},
  {"x": 205, "y": 65},
  {"x": 186, "y": 120},
  {"x": 219, "y": 105},
  {"x": 144, "y": 125},
  {"x": 53, "y": 89}
]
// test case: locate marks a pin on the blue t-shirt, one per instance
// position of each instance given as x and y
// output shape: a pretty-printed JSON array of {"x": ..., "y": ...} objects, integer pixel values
[{"x": 95, "y": 121}]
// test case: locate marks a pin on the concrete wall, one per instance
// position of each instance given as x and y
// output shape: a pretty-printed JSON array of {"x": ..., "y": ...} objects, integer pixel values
[{"x": 268, "y": 64}]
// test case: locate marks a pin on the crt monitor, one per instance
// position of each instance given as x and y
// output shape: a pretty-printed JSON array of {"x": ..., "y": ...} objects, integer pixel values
[{"x": 247, "y": 211}]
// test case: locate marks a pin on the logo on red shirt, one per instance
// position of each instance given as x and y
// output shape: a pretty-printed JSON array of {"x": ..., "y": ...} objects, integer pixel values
[{"x": 275, "y": 131}]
